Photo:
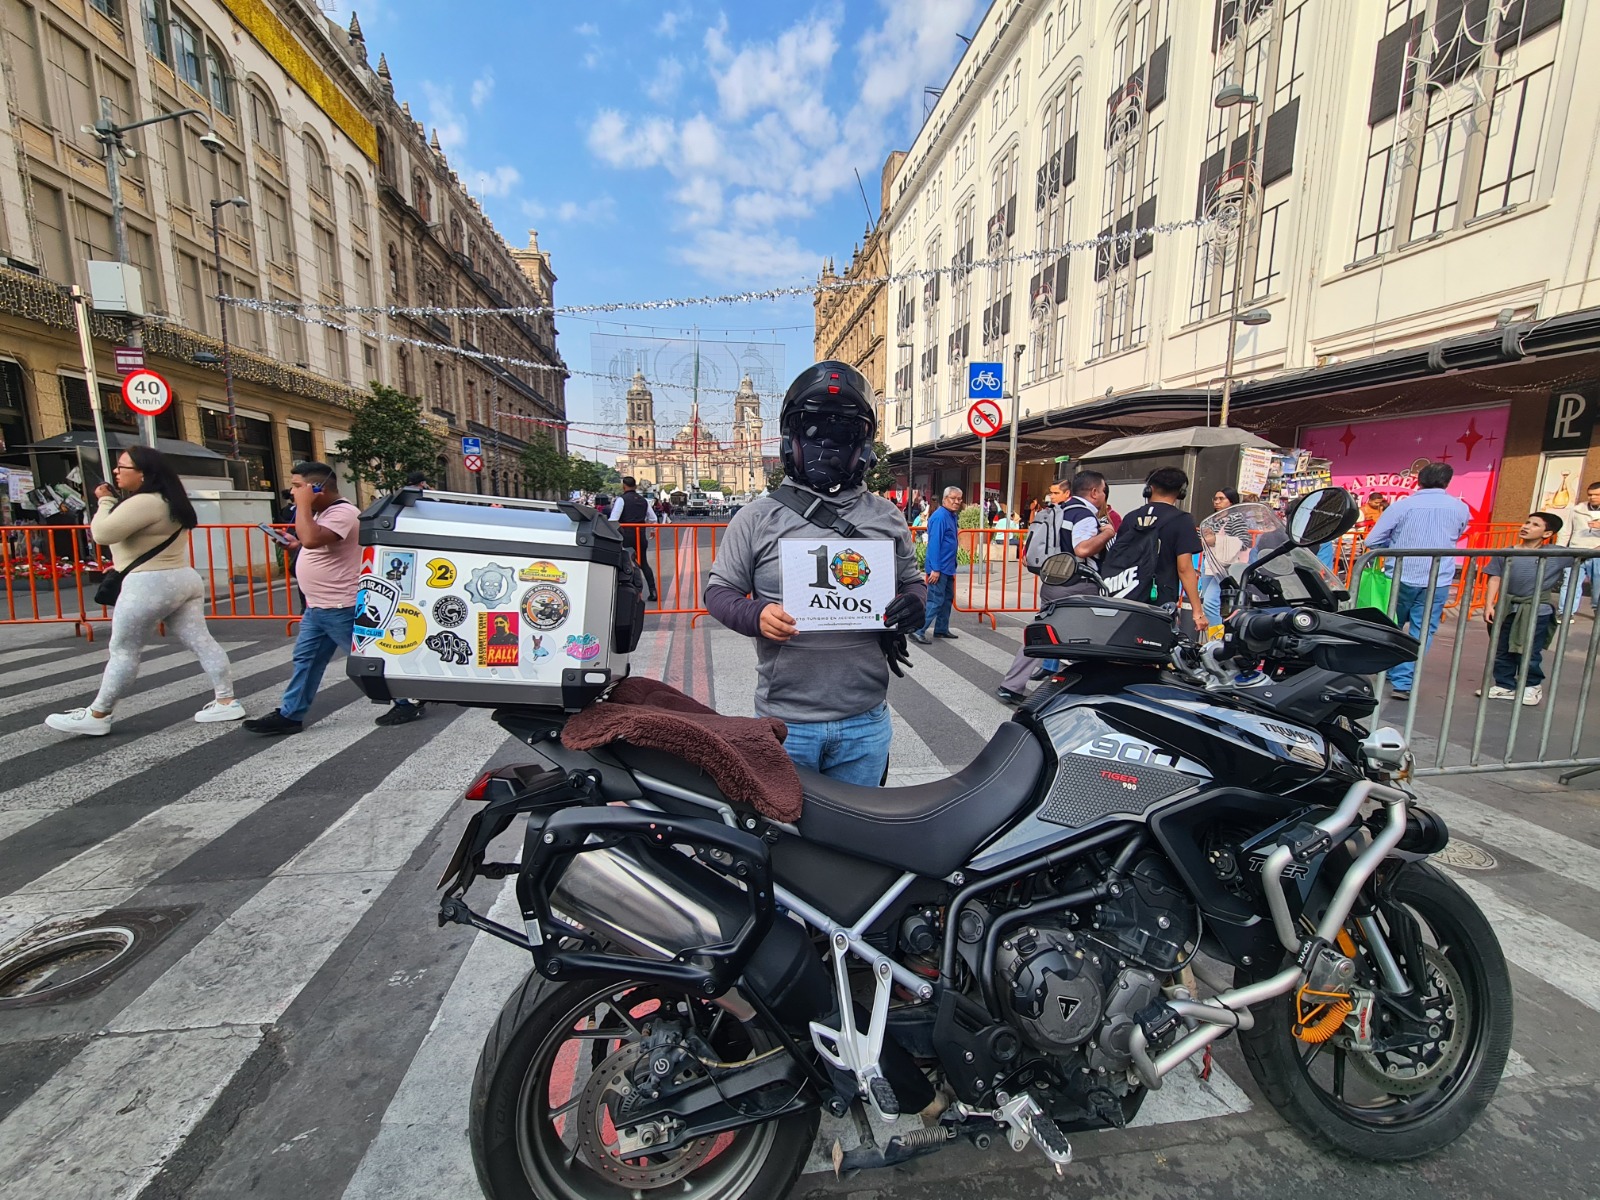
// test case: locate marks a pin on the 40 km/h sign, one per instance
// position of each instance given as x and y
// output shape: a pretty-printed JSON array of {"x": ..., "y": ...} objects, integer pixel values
[
  {"x": 984, "y": 419},
  {"x": 146, "y": 393}
]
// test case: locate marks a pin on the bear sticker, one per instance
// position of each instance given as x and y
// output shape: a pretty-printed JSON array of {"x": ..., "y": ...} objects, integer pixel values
[{"x": 456, "y": 651}]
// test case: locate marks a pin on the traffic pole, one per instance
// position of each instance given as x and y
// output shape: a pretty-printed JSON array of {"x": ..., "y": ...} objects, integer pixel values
[{"x": 80, "y": 307}]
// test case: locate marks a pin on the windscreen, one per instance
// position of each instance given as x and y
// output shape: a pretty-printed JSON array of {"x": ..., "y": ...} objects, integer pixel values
[{"x": 1236, "y": 537}]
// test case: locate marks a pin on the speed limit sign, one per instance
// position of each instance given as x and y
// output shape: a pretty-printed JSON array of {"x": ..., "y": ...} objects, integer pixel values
[{"x": 146, "y": 393}]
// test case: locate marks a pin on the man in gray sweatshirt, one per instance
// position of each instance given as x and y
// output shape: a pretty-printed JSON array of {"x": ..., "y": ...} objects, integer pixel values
[{"x": 828, "y": 687}]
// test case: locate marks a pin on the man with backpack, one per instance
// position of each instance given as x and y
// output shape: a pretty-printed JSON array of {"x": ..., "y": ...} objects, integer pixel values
[
  {"x": 1071, "y": 522},
  {"x": 630, "y": 508},
  {"x": 1152, "y": 558}
]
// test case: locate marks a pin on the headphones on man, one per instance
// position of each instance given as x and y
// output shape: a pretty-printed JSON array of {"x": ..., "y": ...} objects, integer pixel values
[{"x": 1183, "y": 492}]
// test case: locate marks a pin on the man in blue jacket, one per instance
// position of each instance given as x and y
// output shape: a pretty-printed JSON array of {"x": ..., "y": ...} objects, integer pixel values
[{"x": 941, "y": 564}]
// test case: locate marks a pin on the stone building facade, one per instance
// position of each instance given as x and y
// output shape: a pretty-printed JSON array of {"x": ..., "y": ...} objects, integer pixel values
[
  {"x": 693, "y": 453},
  {"x": 852, "y": 325},
  {"x": 290, "y": 117},
  {"x": 1386, "y": 189}
]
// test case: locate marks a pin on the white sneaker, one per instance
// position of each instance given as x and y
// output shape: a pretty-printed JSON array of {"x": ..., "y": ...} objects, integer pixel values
[
  {"x": 1532, "y": 696},
  {"x": 79, "y": 720},
  {"x": 218, "y": 711},
  {"x": 1500, "y": 693}
]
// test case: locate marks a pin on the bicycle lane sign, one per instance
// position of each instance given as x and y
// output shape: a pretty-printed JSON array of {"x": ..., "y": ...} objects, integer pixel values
[{"x": 985, "y": 381}]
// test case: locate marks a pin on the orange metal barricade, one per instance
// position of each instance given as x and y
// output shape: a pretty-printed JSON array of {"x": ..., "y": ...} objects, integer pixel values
[
  {"x": 673, "y": 552},
  {"x": 997, "y": 580},
  {"x": 49, "y": 573}
]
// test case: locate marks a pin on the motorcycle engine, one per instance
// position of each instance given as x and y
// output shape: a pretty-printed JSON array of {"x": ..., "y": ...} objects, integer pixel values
[{"x": 1087, "y": 975}]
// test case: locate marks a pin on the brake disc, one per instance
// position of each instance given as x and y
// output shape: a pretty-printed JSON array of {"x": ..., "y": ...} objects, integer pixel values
[
  {"x": 609, "y": 1085},
  {"x": 1451, "y": 1010}
]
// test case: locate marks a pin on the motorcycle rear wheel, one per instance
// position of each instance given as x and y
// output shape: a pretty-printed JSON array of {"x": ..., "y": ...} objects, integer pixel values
[
  {"x": 539, "y": 1125},
  {"x": 1398, "y": 1110}
]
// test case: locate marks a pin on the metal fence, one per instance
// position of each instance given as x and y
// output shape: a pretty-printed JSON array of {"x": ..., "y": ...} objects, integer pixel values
[{"x": 1495, "y": 736}]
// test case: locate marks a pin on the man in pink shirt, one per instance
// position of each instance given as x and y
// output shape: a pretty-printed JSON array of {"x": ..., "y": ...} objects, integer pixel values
[{"x": 327, "y": 535}]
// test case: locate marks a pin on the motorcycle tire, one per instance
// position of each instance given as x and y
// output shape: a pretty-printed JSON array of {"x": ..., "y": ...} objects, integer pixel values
[
  {"x": 516, "y": 1135},
  {"x": 1467, "y": 956}
]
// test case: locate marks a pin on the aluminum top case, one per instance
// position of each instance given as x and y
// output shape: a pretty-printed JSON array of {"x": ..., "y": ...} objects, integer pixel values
[{"x": 490, "y": 602}]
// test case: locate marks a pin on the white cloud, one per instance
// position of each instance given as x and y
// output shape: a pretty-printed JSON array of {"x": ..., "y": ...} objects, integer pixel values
[
  {"x": 482, "y": 89},
  {"x": 667, "y": 27},
  {"x": 663, "y": 86},
  {"x": 791, "y": 124},
  {"x": 501, "y": 181},
  {"x": 599, "y": 211},
  {"x": 452, "y": 127},
  {"x": 588, "y": 29}
]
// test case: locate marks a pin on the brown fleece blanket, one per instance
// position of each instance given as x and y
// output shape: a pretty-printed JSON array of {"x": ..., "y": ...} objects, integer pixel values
[{"x": 743, "y": 755}]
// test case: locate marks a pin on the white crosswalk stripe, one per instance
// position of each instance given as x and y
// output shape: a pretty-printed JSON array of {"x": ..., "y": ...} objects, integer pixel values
[{"x": 111, "y": 1116}]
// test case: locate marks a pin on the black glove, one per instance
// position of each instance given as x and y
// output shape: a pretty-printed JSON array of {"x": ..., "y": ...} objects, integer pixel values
[
  {"x": 895, "y": 650},
  {"x": 905, "y": 614}
]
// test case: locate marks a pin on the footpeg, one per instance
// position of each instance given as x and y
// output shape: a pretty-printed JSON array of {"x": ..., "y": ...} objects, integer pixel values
[
  {"x": 883, "y": 1098},
  {"x": 1027, "y": 1122},
  {"x": 1051, "y": 1140}
]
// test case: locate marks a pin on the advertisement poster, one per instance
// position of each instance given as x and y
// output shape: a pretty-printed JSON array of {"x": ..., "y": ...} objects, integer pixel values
[
  {"x": 1255, "y": 467},
  {"x": 1561, "y": 483},
  {"x": 1384, "y": 455},
  {"x": 834, "y": 583}
]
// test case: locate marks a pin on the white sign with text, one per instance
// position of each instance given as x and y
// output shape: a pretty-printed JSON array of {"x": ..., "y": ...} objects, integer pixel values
[{"x": 834, "y": 583}]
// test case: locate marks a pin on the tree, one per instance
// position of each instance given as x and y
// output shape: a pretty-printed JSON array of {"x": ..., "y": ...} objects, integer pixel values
[
  {"x": 544, "y": 468},
  {"x": 710, "y": 485},
  {"x": 881, "y": 477},
  {"x": 587, "y": 476},
  {"x": 388, "y": 439},
  {"x": 774, "y": 479}
]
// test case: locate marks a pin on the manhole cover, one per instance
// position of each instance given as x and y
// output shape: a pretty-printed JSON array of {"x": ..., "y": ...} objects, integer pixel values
[
  {"x": 1466, "y": 857},
  {"x": 66, "y": 960},
  {"x": 61, "y": 962}
]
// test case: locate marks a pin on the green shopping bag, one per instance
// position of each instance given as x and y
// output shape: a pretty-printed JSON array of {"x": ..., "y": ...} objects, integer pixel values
[{"x": 1374, "y": 589}]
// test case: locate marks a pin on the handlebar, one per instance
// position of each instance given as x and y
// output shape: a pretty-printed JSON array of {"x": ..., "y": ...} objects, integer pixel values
[{"x": 1260, "y": 628}]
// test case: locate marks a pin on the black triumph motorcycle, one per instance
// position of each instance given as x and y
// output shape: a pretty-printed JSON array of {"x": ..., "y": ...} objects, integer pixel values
[{"x": 1169, "y": 843}]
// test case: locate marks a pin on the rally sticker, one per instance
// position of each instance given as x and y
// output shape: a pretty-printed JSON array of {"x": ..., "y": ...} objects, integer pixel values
[
  {"x": 441, "y": 572},
  {"x": 545, "y": 606},
  {"x": 498, "y": 634},
  {"x": 405, "y": 630},
  {"x": 490, "y": 585},
  {"x": 582, "y": 646},
  {"x": 542, "y": 572},
  {"x": 400, "y": 569},
  {"x": 452, "y": 649},
  {"x": 375, "y": 606},
  {"x": 449, "y": 611}
]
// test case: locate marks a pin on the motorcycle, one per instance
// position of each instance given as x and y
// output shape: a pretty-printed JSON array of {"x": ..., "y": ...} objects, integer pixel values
[{"x": 1170, "y": 842}]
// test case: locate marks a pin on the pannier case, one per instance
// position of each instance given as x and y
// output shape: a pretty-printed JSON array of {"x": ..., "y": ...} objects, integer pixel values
[
  {"x": 1100, "y": 627},
  {"x": 489, "y": 601}
]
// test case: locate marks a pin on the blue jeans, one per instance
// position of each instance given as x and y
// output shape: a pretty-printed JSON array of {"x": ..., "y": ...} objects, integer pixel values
[
  {"x": 1411, "y": 610},
  {"x": 941, "y": 596},
  {"x": 322, "y": 631},
  {"x": 1588, "y": 569},
  {"x": 1211, "y": 597},
  {"x": 853, "y": 750},
  {"x": 1507, "y": 663}
]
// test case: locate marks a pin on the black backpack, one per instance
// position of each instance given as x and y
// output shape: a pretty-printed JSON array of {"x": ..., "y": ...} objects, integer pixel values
[{"x": 1129, "y": 567}]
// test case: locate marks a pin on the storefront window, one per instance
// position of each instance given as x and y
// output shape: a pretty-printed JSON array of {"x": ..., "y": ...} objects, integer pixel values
[
  {"x": 118, "y": 417},
  {"x": 255, "y": 447},
  {"x": 13, "y": 410}
]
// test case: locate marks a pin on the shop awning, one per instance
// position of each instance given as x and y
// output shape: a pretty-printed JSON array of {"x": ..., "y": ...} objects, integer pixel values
[
  {"x": 1175, "y": 439},
  {"x": 82, "y": 439}
]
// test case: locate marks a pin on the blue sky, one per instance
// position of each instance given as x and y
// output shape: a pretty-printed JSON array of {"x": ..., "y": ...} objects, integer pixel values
[{"x": 672, "y": 149}]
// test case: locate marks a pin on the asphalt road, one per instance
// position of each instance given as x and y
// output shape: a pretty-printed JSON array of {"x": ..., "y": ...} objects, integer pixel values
[{"x": 296, "y": 1024}]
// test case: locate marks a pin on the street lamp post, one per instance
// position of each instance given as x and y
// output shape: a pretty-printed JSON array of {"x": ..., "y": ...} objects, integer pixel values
[
  {"x": 222, "y": 308},
  {"x": 1229, "y": 97},
  {"x": 1011, "y": 467},
  {"x": 109, "y": 134}
]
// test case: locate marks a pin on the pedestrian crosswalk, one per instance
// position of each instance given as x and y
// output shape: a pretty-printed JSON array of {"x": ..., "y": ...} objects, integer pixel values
[{"x": 292, "y": 864}]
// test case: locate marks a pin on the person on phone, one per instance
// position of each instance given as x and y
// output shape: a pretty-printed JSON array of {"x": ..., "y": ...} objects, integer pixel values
[
  {"x": 144, "y": 521},
  {"x": 327, "y": 536}
]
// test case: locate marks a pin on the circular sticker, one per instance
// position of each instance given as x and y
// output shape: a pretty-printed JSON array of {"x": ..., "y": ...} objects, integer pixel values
[
  {"x": 490, "y": 585},
  {"x": 404, "y": 631},
  {"x": 449, "y": 611},
  {"x": 850, "y": 569},
  {"x": 545, "y": 606}
]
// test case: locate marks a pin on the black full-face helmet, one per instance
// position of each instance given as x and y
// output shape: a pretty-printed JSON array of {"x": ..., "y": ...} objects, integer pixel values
[{"x": 828, "y": 424}]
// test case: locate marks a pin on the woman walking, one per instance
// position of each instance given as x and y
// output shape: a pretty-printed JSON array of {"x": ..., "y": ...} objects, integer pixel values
[{"x": 145, "y": 530}]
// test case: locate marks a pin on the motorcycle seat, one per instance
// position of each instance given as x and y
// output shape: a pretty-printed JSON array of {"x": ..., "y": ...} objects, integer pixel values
[{"x": 933, "y": 828}]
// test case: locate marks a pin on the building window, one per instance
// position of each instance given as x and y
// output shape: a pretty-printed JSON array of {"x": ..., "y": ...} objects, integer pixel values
[
  {"x": 356, "y": 200},
  {"x": 275, "y": 215},
  {"x": 217, "y": 77},
  {"x": 318, "y": 177},
  {"x": 420, "y": 199},
  {"x": 327, "y": 261},
  {"x": 264, "y": 129},
  {"x": 186, "y": 52}
]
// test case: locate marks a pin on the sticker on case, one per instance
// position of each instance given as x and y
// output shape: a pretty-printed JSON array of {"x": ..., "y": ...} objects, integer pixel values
[
  {"x": 582, "y": 646},
  {"x": 456, "y": 651},
  {"x": 545, "y": 606},
  {"x": 441, "y": 572},
  {"x": 490, "y": 585},
  {"x": 405, "y": 630},
  {"x": 538, "y": 647},
  {"x": 542, "y": 572},
  {"x": 400, "y": 569},
  {"x": 375, "y": 606},
  {"x": 449, "y": 611},
  {"x": 498, "y": 634}
]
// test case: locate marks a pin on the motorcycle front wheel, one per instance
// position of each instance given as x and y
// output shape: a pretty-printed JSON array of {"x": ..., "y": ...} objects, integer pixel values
[
  {"x": 553, "y": 1070},
  {"x": 1401, "y": 1103}
]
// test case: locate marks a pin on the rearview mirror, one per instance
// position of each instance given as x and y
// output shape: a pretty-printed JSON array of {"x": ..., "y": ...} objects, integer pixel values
[
  {"x": 1321, "y": 516},
  {"x": 1058, "y": 569}
]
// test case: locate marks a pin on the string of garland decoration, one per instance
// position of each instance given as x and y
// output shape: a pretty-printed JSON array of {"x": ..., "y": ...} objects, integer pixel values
[
  {"x": 1042, "y": 257},
  {"x": 592, "y": 431}
]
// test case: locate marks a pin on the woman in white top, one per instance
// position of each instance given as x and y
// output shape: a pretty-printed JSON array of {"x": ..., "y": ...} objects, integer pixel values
[
  {"x": 1222, "y": 551},
  {"x": 163, "y": 588}
]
